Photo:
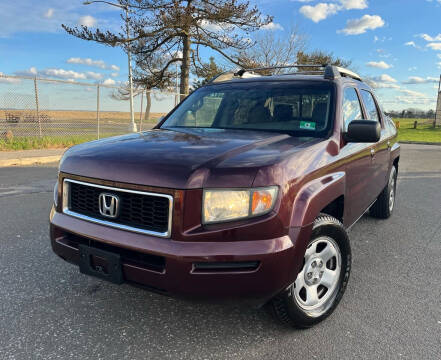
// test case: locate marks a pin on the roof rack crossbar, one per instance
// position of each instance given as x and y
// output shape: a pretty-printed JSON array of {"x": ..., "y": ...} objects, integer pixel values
[
  {"x": 242, "y": 71},
  {"x": 330, "y": 72}
]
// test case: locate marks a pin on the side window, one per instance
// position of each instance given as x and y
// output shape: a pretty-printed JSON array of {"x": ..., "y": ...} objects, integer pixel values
[
  {"x": 371, "y": 107},
  {"x": 351, "y": 107}
]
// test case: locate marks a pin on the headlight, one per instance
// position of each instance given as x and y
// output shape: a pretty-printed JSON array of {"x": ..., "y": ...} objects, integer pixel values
[{"x": 224, "y": 205}]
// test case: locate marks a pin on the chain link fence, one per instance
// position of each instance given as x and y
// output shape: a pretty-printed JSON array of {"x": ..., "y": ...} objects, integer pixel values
[{"x": 36, "y": 107}]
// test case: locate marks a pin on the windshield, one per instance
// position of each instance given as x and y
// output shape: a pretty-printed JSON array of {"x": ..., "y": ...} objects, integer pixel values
[{"x": 296, "y": 108}]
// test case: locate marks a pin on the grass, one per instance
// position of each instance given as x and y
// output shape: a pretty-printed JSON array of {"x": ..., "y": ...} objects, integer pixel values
[
  {"x": 45, "y": 142},
  {"x": 424, "y": 132}
]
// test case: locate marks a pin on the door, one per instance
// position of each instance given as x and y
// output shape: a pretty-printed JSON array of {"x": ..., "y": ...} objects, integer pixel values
[
  {"x": 359, "y": 165},
  {"x": 380, "y": 155}
]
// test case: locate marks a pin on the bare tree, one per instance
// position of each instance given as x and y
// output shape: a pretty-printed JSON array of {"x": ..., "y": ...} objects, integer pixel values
[
  {"x": 272, "y": 49},
  {"x": 161, "y": 27}
]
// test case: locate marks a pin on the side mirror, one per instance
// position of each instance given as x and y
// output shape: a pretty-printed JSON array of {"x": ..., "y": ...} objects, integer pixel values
[{"x": 363, "y": 131}]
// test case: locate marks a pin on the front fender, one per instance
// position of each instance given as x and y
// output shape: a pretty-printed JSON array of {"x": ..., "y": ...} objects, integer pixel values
[{"x": 316, "y": 195}]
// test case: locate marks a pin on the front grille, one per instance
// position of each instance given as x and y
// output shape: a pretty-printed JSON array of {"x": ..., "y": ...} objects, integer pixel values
[{"x": 137, "y": 210}]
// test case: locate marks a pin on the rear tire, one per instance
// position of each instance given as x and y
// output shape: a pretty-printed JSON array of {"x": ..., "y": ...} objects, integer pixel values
[
  {"x": 322, "y": 281},
  {"x": 385, "y": 203}
]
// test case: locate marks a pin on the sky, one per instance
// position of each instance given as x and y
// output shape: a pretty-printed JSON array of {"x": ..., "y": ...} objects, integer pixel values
[{"x": 395, "y": 44}]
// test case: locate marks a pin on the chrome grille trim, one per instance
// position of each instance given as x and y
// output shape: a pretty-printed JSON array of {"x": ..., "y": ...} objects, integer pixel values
[{"x": 67, "y": 211}]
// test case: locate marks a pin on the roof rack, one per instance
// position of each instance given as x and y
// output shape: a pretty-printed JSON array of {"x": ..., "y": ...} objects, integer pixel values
[{"x": 330, "y": 72}]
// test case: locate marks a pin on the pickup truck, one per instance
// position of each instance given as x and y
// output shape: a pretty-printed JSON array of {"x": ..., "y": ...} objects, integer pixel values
[{"x": 246, "y": 189}]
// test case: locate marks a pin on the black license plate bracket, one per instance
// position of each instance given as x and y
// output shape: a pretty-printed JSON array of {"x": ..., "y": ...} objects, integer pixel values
[{"x": 100, "y": 263}]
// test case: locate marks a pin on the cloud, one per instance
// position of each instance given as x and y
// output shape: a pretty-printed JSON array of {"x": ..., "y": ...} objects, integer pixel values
[
  {"x": 87, "y": 20},
  {"x": 385, "y": 78},
  {"x": 430, "y": 38},
  {"x": 272, "y": 26},
  {"x": 319, "y": 12},
  {"x": 64, "y": 74},
  {"x": 381, "y": 85},
  {"x": 49, "y": 13},
  {"x": 69, "y": 75},
  {"x": 32, "y": 71},
  {"x": 8, "y": 80},
  {"x": 360, "y": 26},
  {"x": 435, "y": 46},
  {"x": 411, "y": 43},
  {"x": 94, "y": 75},
  {"x": 114, "y": 74},
  {"x": 90, "y": 62},
  {"x": 383, "y": 53},
  {"x": 412, "y": 100},
  {"x": 87, "y": 61},
  {"x": 383, "y": 81},
  {"x": 109, "y": 81},
  {"x": 420, "y": 80},
  {"x": 379, "y": 65},
  {"x": 413, "y": 93},
  {"x": 354, "y": 4},
  {"x": 28, "y": 16}
]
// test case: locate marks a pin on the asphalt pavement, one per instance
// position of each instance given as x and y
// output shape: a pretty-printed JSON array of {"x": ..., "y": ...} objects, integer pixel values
[{"x": 391, "y": 308}]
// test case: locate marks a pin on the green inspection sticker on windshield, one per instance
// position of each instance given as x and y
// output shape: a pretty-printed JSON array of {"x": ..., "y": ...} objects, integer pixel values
[{"x": 307, "y": 125}]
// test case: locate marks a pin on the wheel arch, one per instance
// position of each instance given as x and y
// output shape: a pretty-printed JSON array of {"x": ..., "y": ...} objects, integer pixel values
[{"x": 321, "y": 195}]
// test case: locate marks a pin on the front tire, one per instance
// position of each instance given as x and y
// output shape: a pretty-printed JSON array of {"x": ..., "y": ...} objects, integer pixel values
[
  {"x": 322, "y": 280},
  {"x": 385, "y": 203}
]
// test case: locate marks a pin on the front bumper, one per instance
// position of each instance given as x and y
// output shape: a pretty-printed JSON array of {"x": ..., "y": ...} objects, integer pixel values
[{"x": 253, "y": 269}]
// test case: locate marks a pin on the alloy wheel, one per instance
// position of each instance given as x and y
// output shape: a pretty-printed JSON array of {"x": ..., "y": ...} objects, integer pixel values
[{"x": 316, "y": 284}]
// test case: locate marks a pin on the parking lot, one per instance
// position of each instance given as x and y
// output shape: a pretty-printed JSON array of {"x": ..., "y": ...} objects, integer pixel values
[{"x": 391, "y": 309}]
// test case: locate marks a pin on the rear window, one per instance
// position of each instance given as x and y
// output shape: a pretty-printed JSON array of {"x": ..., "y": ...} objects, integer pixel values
[{"x": 298, "y": 109}]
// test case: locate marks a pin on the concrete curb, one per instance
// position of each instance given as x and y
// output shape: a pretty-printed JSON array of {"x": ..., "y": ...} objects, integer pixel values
[{"x": 30, "y": 160}]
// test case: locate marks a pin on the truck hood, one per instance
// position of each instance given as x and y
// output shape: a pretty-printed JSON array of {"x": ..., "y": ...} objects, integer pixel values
[{"x": 182, "y": 158}]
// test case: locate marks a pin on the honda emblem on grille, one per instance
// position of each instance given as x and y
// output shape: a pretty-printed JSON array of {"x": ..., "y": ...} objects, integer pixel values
[{"x": 109, "y": 205}]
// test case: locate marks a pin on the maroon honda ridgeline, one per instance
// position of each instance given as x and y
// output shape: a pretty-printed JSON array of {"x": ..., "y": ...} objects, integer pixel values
[{"x": 244, "y": 190}]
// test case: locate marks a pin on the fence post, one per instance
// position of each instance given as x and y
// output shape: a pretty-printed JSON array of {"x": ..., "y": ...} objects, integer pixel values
[
  {"x": 438, "y": 105},
  {"x": 140, "y": 112},
  {"x": 37, "y": 106},
  {"x": 98, "y": 110}
]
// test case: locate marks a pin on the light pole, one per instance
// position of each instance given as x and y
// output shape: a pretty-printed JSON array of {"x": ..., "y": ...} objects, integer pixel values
[{"x": 132, "y": 126}]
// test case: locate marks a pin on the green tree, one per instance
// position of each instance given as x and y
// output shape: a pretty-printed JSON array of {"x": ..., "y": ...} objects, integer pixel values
[
  {"x": 206, "y": 71},
  {"x": 321, "y": 57}
]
